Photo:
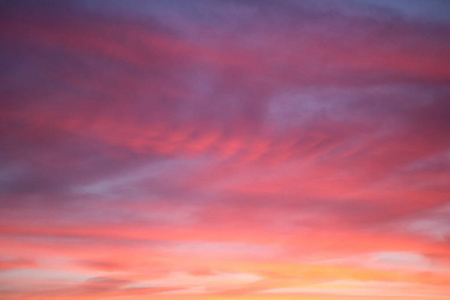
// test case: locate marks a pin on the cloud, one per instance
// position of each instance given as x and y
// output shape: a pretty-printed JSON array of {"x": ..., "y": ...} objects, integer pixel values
[
  {"x": 7, "y": 263},
  {"x": 223, "y": 137}
]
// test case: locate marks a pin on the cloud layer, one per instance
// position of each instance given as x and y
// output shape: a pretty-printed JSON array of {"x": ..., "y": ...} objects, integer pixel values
[{"x": 216, "y": 149}]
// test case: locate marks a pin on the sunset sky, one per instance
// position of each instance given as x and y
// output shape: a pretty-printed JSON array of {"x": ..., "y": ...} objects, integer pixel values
[{"x": 224, "y": 149}]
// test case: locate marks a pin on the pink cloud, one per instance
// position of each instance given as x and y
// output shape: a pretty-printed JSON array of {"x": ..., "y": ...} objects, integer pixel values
[{"x": 182, "y": 145}]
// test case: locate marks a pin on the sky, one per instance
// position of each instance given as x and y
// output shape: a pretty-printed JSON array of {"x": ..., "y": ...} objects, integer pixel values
[{"x": 225, "y": 149}]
